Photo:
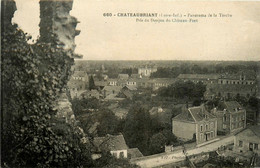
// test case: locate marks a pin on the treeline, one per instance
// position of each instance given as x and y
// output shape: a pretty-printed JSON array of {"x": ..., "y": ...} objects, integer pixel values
[
  {"x": 167, "y": 72},
  {"x": 182, "y": 90}
]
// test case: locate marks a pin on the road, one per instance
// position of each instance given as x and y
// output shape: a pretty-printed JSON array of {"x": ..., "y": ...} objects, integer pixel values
[{"x": 168, "y": 158}]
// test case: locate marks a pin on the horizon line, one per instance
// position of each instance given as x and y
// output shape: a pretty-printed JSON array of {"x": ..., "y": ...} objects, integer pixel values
[{"x": 165, "y": 60}]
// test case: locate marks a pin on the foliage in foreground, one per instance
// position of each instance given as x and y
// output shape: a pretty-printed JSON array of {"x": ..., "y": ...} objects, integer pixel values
[{"x": 32, "y": 78}]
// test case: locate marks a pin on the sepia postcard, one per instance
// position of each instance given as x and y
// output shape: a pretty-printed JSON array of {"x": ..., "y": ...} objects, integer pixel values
[{"x": 130, "y": 83}]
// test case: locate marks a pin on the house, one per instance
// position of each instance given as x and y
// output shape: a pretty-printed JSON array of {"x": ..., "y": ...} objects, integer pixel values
[
  {"x": 146, "y": 71},
  {"x": 80, "y": 75},
  {"x": 231, "y": 117},
  {"x": 195, "y": 78},
  {"x": 248, "y": 140},
  {"x": 131, "y": 82},
  {"x": 78, "y": 83},
  {"x": 195, "y": 123},
  {"x": 107, "y": 90},
  {"x": 114, "y": 143},
  {"x": 112, "y": 82}
]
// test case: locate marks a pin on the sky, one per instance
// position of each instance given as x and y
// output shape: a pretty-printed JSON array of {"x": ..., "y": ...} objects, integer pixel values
[{"x": 122, "y": 38}]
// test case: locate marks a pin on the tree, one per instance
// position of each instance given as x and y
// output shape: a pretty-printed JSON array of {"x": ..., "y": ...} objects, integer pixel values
[
  {"x": 91, "y": 83},
  {"x": 108, "y": 123},
  {"x": 157, "y": 143},
  {"x": 137, "y": 130}
]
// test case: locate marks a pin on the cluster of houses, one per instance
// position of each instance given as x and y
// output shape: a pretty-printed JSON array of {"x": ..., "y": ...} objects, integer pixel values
[
  {"x": 221, "y": 86},
  {"x": 206, "y": 126},
  {"x": 199, "y": 124},
  {"x": 202, "y": 125}
]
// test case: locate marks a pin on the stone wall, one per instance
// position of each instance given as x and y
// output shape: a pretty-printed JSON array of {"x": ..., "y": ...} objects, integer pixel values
[{"x": 55, "y": 18}]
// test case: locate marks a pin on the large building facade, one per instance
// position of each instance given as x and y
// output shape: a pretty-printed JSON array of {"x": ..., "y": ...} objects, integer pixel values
[{"x": 231, "y": 117}]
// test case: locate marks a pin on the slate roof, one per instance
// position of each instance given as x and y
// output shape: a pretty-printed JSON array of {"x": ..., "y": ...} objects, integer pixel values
[
  {"x": 127, "y": 93},
  {"x": 79, "y": 73},
  {"x": 134, "y": 153},
  {"x": 231, "y": 106},
  {"x": 130, "y": 87},
  {"x": 193, "y": 114},
  {"x": 199, "y": 113},
  {"x": 111, "y": 142},
  {"x": 255, "y": 129},
  {"x": 184, "y": 116},
  {"x": 198, "y": 76}
]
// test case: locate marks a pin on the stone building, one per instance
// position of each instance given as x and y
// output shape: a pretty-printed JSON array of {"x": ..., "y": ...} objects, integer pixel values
[
  {"x": 146, "y": 71},
  {"x": 231, "y": 117},
  {"x": 195, "y": 123},
  {"x": 236, "y": 80},
  {"x": 248, "y": 140},
  {"x": 195, "y": 78}
]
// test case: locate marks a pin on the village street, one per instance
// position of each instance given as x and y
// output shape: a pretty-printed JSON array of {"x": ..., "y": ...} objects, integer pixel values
[{"x": 168, "y": 158}]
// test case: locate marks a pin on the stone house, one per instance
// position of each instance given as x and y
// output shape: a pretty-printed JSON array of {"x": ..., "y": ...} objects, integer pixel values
[
  {"x": 248, "y": 140},
  {"x": 112, "y": 82},
  {"x": 114, "y": 143},
  {"x": 108, "y": 90},
  {"x": 195, "y": 123},
  {"x": 231, "y": 117}
]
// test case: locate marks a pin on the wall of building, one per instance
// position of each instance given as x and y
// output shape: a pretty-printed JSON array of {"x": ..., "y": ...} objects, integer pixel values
[
  {"x": 206, "y": 130},
  {"x": 246, "y": 136},
  {"x": 183, "y": 130},
  {"x": 238, "y": 120},
  {"x": 117, "y": 153}
]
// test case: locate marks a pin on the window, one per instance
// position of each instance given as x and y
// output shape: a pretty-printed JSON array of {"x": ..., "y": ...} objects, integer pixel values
[
  {"x": 256, "y": 147},
  {"x": 114, "y": 154},
  {"x": 224, "y": 126},
  {"x": 207, "y": 127},
  {"x": 250, "y": 146},
  {"x": 201, "y": 127},
  {"x": 240, "y": 143},
  {"x": 224, "y": 118},
  {"x": 211, "y": 125},
  {"x": 121, "y": 155}
]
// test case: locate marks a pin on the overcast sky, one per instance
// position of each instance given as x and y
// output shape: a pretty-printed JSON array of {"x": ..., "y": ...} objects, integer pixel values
[{"x": 122, "y": 38}]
